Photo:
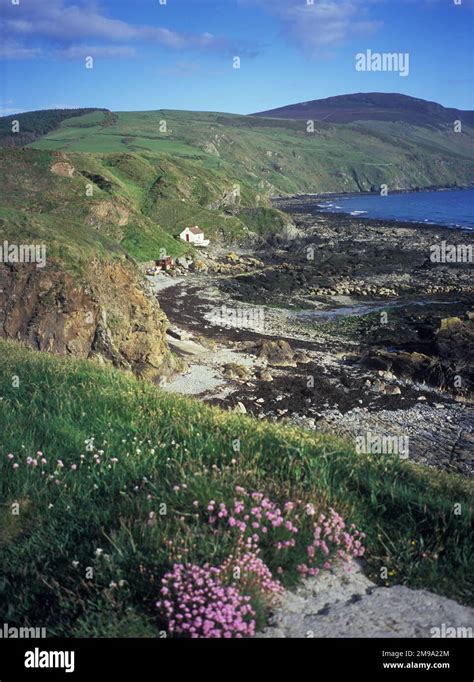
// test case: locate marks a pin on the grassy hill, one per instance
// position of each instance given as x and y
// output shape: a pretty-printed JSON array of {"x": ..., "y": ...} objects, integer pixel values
[
  {"x": 107, "y": 191},
  {"x": 269, "y": 156},
  {"x": 34, "y": 124},
  {"x": 374, "y": 106},
  {"x": 83, "y": 540},
  {"x": 157, "y": 171}
]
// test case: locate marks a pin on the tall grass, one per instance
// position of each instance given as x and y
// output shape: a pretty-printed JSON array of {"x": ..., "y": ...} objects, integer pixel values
[{"x": 82, "y": 558}]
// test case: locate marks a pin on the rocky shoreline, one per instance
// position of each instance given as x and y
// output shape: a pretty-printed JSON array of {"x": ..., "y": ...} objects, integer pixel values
[{"x": 347, "y": 327}]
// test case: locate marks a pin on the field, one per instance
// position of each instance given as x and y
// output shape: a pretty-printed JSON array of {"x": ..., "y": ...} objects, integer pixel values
[
  {"x": 278, "y": 156},
  {"x": 137, "y": 178},
  {"x": 105, "y": 482}
]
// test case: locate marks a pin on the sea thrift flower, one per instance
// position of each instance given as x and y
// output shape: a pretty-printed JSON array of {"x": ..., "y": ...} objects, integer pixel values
[
  {"x": 197, "y": 604},
  {"x": 249, "y": 572}
]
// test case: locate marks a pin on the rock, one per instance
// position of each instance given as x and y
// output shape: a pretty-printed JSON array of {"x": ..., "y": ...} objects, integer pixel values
[
  {"x": 240, "y": 407},
  {"x": 200, "y": 266},
  {"x": 300, "y": 357},
  {"x": 336, "y": 604},
  {"x": 379, "y": 386},
  {"x": 179, "y": 334},
  {"x": 450, "y": 322},
  {"x": 235, "y": 371},
  {"x": 392, "y": 390},
  {"x": 265, "y": 375},
  {"x": 182, "y": 262},
  {"x": 63, "y": 168},
  {"x": 46, "y": 309},
  {"x": 109, "y": 212},
  {"x": 277, "y": 353},
  {"x": 289, "y": 232}
]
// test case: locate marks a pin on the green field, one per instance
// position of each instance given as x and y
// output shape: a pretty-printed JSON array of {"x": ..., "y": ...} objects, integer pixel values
[
  {"x": 166, "y": 169},
  {"x": 281, "y": 156},
  {"x": 155, "y": 449}
]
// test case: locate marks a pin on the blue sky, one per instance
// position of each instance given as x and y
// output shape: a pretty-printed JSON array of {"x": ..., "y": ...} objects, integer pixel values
[{"x": 179, "y": 54}]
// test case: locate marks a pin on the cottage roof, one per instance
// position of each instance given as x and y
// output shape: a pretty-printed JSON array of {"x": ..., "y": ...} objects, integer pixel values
[{"x": 195, "y": 230}]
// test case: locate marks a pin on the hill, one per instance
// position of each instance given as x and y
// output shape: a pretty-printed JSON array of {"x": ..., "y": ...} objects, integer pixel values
[
  {"x": 373, "y": 106},
  {"x": 106, "y": 482},
  {"x": 34, "y": 124},
  {"x": 265, "y": 156},
  {"x": 104, "y": 192},
  {"x": 233, "y": 161}
]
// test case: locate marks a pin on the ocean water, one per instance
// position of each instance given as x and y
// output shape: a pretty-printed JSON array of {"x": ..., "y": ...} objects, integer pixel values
[{"x": 452, "y": 208}]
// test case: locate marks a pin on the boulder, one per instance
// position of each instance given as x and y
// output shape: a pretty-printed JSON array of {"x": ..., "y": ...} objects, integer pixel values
[
  {"x": 182, "y": 262},
  {"x": 277, "y": 353},
  {"x": 236, "y": 371}
]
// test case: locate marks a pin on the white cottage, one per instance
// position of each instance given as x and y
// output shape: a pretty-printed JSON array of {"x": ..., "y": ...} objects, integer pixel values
[{"x": 194, "y": 235}]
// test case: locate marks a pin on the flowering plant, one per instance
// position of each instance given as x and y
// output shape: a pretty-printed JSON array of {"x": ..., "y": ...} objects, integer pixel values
[{"x": 196, "y": 603}]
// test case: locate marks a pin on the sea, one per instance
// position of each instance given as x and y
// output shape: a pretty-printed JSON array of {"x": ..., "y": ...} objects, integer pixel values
[{"x": 451, "y": 208}]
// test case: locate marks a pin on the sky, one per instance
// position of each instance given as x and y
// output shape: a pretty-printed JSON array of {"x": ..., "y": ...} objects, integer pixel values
[{"x": 183, "y": 54}]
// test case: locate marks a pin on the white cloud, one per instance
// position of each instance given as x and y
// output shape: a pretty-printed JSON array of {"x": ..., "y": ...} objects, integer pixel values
[
  {"x": 96, "y": 51},
  {"x": 15, "y": 50},
  {"x": 62, "y": 27},
  {"x": 326, "y": 24}
]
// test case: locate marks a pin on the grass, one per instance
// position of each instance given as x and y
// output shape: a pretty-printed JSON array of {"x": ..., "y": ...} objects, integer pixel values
[
  {"x": 162, "y": 441},
  {"x": 270, "y": 155}
]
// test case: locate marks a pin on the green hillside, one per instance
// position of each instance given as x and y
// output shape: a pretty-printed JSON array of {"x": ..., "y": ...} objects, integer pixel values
[
  {"x": 84, "y": 545},
  {"x": 35, "y": 124},
  {"x": 279, "y": 156},
  {"x": 132, "y": 181},
  {"x": 112, "y": 205}
]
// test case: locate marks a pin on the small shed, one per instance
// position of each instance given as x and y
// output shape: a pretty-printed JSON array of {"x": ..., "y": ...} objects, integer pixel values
[{"x": 194, "y": 235}]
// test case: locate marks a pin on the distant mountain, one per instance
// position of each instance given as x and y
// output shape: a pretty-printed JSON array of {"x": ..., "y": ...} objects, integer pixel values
[{"x": 372, "y": 106}]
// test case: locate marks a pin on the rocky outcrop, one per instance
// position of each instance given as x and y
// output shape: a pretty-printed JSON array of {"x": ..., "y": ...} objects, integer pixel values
[
  {"x": 63, "y": 168},
  {"x": 109, "y": 212},
  {"x": 341, "y": 604},
  {"x": 449, "y": 364},
  {"x": 230, "y": 197},
  {"x": 108, "y": 315}
]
